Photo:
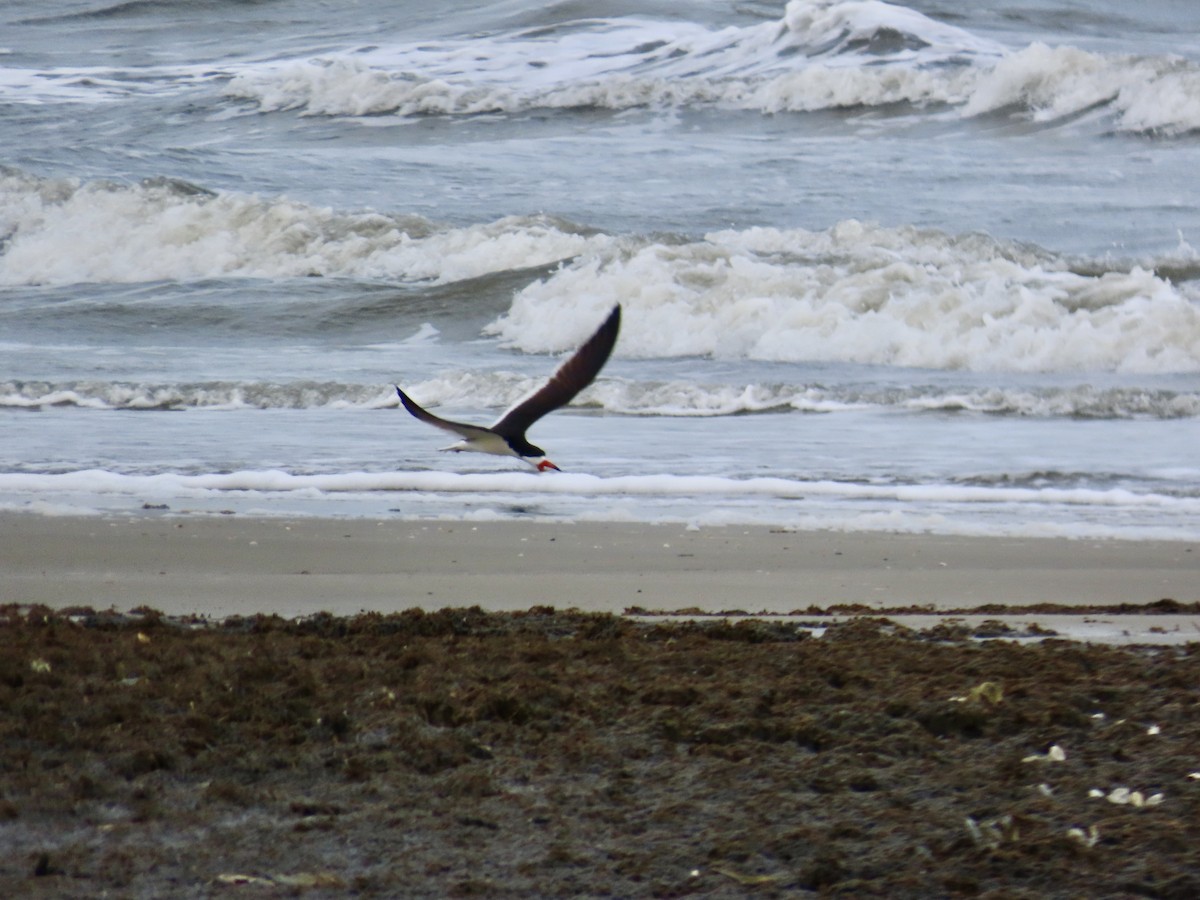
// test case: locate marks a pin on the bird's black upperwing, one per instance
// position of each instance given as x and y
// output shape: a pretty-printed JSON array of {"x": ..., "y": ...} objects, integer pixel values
[
  {"x": 571, "y": 377},
  {"x": 462, "y": 429}
]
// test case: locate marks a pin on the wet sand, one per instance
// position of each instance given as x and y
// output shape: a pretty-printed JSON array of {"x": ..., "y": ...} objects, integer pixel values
[{"x": 234, "y": 565}]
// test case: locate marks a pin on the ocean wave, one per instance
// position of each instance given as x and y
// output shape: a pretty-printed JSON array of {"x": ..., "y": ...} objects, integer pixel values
[
  {"x": 817, "y": 55},
  {"x": 802, "y": 504},
  {"x": 855, "y": 292},
  {"x": 863, "y": 293},
  {"x": 62, "y": 231},
  {"x": 624, "y": 63},
  {"x": 689, "y": 399},
  {"x": 212, "y": 395},
  {"x": 104, "y": 481},
  {"x": 820, "y": 54},
  {"x": 1153, "y": 95},
  {"x": 497, "y": 390}
]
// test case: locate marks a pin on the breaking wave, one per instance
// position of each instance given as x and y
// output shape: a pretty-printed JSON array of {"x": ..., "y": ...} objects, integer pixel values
[
  {"x": 866, "y": 294},
  {"x": 62, "y": 231},
  {"x": 821, "y": 54},
  {"x": 498, "y": 390},
  {"x": 856, "y": 292}
]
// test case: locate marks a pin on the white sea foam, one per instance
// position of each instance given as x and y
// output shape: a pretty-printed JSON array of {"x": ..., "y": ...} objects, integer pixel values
[
  {"x": 693, "y": 398},
  {"x": 866, "y": 294},
  {"x": 713, "y": 500},
  {"x": 215, "y": 395},
  {"x": 1159, "y": 94},
  {"x": 496, "y": 390},
  {"x": 622, "y": 63},
  {"x": 60, "y": 231}
]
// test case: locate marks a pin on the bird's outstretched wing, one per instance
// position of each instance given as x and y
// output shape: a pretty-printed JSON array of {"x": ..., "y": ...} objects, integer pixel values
[
  {"x": 570, "y": 378},
  {"x": 462, "y": 429}
]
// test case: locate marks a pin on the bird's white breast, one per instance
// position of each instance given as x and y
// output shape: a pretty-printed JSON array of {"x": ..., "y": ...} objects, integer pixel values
[{"x": 484, "y": 443}]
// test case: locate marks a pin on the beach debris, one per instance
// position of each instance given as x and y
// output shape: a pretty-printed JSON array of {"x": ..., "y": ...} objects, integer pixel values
[
  {"x": 1123, "y": 796},
  {"x": 299, "y": 880},
  {"x": 39, "y": 665},
  {"x": 1045, "y": 790},
  {"x": 245, "y": 879},
  {"x": 985, "y": 692},
  {"x": 1153, "y": 729},
  {"x": 1054, "y": 754},
  {"x": 143, "y": 638},
  {"x": 744, "y": 879},
  {"x": 992, "y": 833},
  {"x": 1088, "y": 838}
]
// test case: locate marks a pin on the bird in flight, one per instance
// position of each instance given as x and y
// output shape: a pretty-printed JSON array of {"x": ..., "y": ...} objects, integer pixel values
[{"x": 506, "y": 437}]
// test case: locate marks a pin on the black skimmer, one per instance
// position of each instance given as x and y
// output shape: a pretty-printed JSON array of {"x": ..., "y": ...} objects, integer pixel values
[{"x": 507, "y": 436}]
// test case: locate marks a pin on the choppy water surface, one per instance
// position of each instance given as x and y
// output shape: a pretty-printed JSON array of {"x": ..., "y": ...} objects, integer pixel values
[{"x": 893, "y": 267}]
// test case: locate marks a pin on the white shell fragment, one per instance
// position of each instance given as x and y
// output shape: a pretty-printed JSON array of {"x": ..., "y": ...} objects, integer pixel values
[
  {"x": 1088, "y": 838},
  {"x": 1054, "y": 754},
  {"x": 1123, "y": 796}
]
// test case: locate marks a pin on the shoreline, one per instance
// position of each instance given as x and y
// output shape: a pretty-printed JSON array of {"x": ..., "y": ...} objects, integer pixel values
[{"x": 224, "y": 566}]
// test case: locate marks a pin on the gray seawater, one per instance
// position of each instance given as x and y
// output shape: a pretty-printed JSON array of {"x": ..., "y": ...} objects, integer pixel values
[{"x": 922, "y": 267}]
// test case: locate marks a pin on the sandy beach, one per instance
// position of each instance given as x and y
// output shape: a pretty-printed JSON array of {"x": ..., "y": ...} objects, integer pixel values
[
  {"x": 491, "y": 745},
  {"x": 233, "y": 565}
]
